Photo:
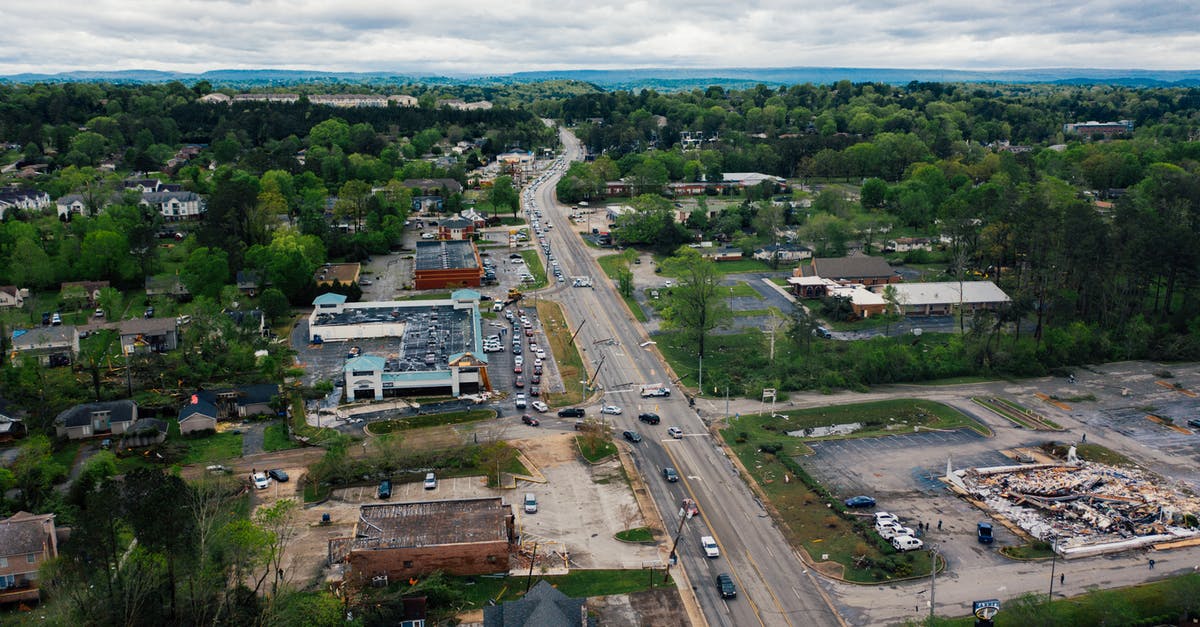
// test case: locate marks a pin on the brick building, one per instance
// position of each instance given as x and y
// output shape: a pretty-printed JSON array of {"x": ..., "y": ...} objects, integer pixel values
[
  {"x": 402, "y": 540},
  {"x": 447, "y": 264}
]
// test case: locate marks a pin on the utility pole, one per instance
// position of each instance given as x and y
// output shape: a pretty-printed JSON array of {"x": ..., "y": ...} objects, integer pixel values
[
  {"x": 727, "y": 402},
  {"x": 933, "y": 563},
  {"x": 532, "y": 560},
  {"x": 700, "y": 381},
  {"x": 1053, "y": 563},
  {"x": 577, "y": 332},
  {"x": 686, "y": 511}
]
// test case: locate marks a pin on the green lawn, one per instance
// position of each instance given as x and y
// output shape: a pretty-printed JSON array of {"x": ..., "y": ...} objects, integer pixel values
[
  {"x": 878, "y": 418},
  {"x": 430, "y": 420},
  {"x": 275, "y": 438},
  {"x": 65, "y": 454},
  {"x": 600, "y": 450},
  {"x": 579, "y": 583},
  {"x": 610, "y": 264},
  {"x": 736, "y": 266},
  {"x": 741, "y": 289},
  {"x": 566, "y": 355},
  {"x": 533, "y": 261},
  {"x": 214, "y": 448}
]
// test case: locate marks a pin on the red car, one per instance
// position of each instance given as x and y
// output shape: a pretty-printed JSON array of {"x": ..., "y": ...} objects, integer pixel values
[
  {"x": 535, "y": 391},
  {"x": 537, "y": 370},
  {"x": 530, "y": 420},
  {"x": 535, "y": 379},
  {"x": 520, "y": 382},
  {"x": 517, "y": 369}
]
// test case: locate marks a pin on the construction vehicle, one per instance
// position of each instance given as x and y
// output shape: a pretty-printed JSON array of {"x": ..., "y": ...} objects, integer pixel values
[{"x": 514, "y": 295}]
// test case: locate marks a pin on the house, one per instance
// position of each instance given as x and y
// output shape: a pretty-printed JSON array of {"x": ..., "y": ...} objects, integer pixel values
[
  {"x": 743, "y": 180},
  {"x": 696, "y": 188},
  {"x": 215, "y": 98},
  {"x": 1092, "y": 128},
  {"x": 856, "y": 269},
  {"x": 167, "y": 285},
  {"x": 428, "y": 204},
  {"x": 458, "y": 103},
  {"x": 271, "y": 98},
  {"x": 197, "y": 416},
  {"x": 145, "y": 432},
  {"x": 242, "y": 401},
  {"x": 52, "y": 346},
  {"x": 906, "y": 244},
  {"x": 443, "y": 187},
  {"x": 403, "y": 100},
  {"x": 249, "y": 282},
  {"x": 476, "y": 218},
  {"x": 341, "y": 273},
  {"x": 617, "y": 188},
  {"x": 456, "y": 228},
  {"x": 26, "y": 542},
  {"x": 403, "y": 540},
  {"x": 863, "y": 301},
  {"x": 943, "y": 298},
  {"x": 10, "y": 428},
  {"x": 542, "y": 606},
  {"x": 148, "y": 335},
  {"x": 23, "y": 199},
  {"x": 175, "y": 206},
  {"x": 783, "y": 252},
  {"x": 11, "y": 296},
  {"x": 347, "y": 101},
  {"x": 92, "y": 419},
  {"x": 75, "y": 291}
]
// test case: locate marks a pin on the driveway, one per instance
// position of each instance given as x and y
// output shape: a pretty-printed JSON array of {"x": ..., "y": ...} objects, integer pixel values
[{"x": 252, "y": 438}]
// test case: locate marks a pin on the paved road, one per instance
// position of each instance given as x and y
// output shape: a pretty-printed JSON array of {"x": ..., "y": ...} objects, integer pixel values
[{"x": 775, "y": 587}]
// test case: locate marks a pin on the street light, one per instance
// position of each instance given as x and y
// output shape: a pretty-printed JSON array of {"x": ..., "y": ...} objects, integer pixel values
[
  {"x": 933, "y": 562},
  {"x": 1053, "y": 563}
]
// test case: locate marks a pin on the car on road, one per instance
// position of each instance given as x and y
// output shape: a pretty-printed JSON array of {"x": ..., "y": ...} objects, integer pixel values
[
  {"x": 517, "y": 369},
  {"x": 571, "y": 412},
  {"x": 385, "y": 489},
  {"x": 632, "y": 436},
  {"x": 530, "y": 420},
  {"x": 535, "y": 390},
  {"x": 670, "y": 475},
  {"x": 261, "y": 481},
  {"x": 278, "y": 474},
  {"x": 430, "y": 481},
  {"x": 612, "y": 410},
  {"x": 675, "y": 432},
  {"x": 725, "y": 586},
  {"x": 1194, "y": 422},
  {"x": 520, "y": 401},
  {"x": 540, "y": 406},
  {"x": 709, "y": 545},
  {"x": 822, "y": 332},
  {"x": 860, "y": 501},
  {"x": 649, "y": 418},
  {"x": 520, "y": 381}
]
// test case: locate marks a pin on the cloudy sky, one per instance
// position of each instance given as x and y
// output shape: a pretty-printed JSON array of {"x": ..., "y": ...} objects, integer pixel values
[{"x": 489, "y": 36}]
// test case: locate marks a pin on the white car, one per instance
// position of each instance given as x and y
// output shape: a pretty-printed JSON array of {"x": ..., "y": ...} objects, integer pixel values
[
  {"x": 612, "y": 410},
  {"x": 710, "y": 546},
  {"x": 428, "y": 236},
  {"x": 540, "y": 406},
  {"x": 675, "y": 432},
  {"x": 261, "y": 481}
]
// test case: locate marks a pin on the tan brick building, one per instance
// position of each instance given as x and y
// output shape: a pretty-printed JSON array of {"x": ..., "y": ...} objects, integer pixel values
[{"x": 459, "y": 537}]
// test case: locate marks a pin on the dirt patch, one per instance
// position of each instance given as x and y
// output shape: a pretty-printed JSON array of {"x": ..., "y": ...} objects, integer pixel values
[
  {"x": 661, "y": 606},
  {"x": 550, "y": 451}
]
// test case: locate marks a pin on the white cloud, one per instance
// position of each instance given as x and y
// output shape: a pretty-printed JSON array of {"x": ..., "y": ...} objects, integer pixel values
[{"x": 486, "y": 36}]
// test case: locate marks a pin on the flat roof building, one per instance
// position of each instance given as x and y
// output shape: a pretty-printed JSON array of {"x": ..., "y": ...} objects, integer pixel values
[
  {"x": 939, "y": 299},
  {"x": 447, "y": 264},
  {"x": 459, "y": 537},
  {"x": 432, "y": 346}
]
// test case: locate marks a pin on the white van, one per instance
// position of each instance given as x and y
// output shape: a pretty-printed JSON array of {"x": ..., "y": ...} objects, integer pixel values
[
  {"x": 907, "y": 543},
  {"x": 530, "y": 503}
]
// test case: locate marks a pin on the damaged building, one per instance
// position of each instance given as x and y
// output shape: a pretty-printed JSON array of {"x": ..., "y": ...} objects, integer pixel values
[
  {"x": 1084, "y": 508},
  {"x": 458, "y": 537}
]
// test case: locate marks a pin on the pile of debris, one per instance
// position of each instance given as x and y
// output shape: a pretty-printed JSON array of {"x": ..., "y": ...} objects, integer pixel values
[{"x": 1085, "y": 507}]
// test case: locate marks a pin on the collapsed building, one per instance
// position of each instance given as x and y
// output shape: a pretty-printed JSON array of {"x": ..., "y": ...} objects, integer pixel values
[{"x": 1083, "y": 508}]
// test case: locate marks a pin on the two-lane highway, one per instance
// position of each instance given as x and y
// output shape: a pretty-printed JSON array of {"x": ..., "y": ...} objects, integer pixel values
[{"x": 774, "y": 586}]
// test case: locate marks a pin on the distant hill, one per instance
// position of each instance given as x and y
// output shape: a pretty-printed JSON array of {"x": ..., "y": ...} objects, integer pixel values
[{"x": 663, "y": 79}]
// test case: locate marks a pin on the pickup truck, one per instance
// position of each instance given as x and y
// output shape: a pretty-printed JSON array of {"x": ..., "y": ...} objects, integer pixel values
[{"x": 655, "y": 389}]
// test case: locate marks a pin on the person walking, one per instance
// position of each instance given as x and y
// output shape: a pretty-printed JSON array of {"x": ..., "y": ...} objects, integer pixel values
[
  {"x": 939, "y": 525},
  {"x": 1062, "y": 579},
  {"x": 1084, "y": 441},
  {"x": 1151, "y": 564}
]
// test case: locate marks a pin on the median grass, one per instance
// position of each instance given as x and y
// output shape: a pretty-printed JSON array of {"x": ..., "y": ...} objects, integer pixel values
[
  {"x": 595, "y": 449},
  {"x": 637, "y": 534},
  {"x": 566, "y": 355},
  {"x": 533, "y": 262}
]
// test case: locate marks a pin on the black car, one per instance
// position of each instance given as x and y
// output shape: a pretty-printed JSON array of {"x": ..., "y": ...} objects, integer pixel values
[
  {"x": 571, "y": 412},
  {"x": 385, "y": 489},
  {"x": 277, "y": 474},
  {"x": 1194, "y": 422},
  {"x": 530, "y": 420},
  {"x": 650, "y": 419},
  {"x": 149, "y": 313},
  {"x": 670, "y": 475},
  {"x": 725, "y": 586},
  {"x": 632, "y": 436}
]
